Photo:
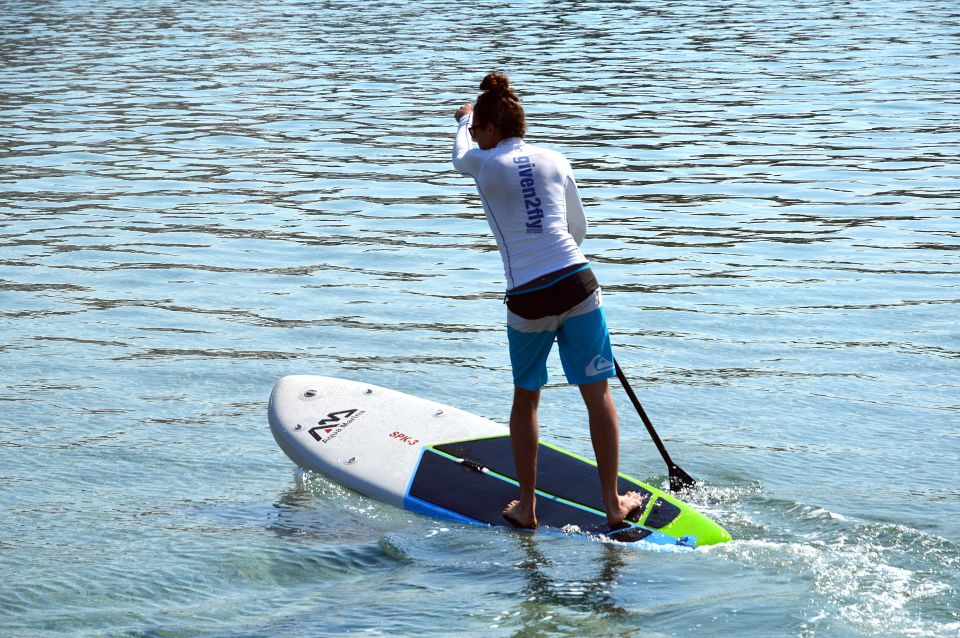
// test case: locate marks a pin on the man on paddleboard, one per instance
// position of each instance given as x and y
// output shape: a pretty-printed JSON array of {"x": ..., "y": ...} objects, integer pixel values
[{"x": 532, "y": 204}]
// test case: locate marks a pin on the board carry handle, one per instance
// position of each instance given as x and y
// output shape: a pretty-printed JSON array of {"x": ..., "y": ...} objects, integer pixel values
[{"x": 678, "y": 478}]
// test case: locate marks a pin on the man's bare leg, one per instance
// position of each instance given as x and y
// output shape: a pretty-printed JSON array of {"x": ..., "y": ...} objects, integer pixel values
[
  {"x": 605, "y": 436},
  {"x": 524, "y": 440}
]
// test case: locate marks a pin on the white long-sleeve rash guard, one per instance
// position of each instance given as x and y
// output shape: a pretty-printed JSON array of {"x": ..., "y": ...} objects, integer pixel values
[{"x": 531, "y": 202}]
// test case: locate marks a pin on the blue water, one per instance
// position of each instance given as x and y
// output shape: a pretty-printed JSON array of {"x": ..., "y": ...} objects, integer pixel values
[{"x": 199, "y": 198}]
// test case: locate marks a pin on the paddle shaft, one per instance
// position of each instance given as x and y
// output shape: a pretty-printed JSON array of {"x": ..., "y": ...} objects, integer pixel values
[{"x": 678, "y": 478}]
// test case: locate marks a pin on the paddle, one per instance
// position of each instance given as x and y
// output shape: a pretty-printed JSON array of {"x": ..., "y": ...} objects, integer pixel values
[{"x": 678, "y": 478}]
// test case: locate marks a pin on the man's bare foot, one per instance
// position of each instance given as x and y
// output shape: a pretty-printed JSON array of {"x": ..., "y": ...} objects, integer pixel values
[
  {"x": 518, "y": 516},
  {"x": 629, "y": 507}
]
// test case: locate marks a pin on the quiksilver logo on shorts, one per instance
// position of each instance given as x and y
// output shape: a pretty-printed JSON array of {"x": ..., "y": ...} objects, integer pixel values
[{"x": 598, "y": 365}]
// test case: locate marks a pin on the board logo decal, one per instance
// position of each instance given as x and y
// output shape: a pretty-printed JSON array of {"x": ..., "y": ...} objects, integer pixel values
[
  {"x": 404, "y": 438},
  {"x": 334, "y": 423}
]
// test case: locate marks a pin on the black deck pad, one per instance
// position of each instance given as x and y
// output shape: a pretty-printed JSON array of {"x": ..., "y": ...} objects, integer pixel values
[
  {"x": 662, "y": 513},
  {"x": 558, "y": 473},
  {"x": 482, "y": 497}
]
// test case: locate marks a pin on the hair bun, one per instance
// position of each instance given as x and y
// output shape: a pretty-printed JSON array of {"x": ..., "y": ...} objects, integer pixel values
[{"x": 498, "y": 84}]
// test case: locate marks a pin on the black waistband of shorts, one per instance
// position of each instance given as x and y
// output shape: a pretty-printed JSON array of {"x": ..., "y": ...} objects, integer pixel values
[
  {"x": 559, "y": 292},
  {"x": 548, "y": 279}
]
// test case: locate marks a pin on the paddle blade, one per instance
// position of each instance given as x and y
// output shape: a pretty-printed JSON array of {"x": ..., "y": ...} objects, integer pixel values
[{"x": 679, "y": 479}]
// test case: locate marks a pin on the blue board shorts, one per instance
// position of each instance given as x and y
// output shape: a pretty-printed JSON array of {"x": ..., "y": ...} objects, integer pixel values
[{"x": 581, "y": 334}]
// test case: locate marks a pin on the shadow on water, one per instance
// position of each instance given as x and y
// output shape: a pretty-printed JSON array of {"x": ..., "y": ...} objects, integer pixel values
[{"x": 591, "y": 594}]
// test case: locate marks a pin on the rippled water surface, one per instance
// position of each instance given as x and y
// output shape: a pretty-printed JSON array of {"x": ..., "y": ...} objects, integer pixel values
[{"x": 197, "y": 198}]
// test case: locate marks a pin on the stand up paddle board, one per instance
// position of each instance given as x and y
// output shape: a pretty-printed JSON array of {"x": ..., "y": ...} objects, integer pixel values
[{"x": 436, "y": 460}]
